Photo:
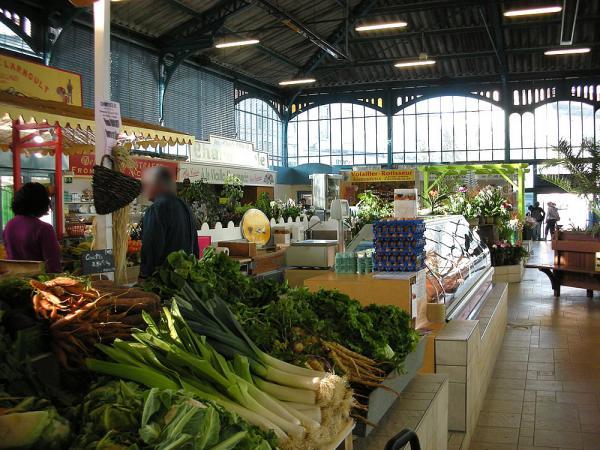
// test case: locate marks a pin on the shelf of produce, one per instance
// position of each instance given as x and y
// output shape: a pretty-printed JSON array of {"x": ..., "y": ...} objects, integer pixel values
[{"x": 368, "y": 290}]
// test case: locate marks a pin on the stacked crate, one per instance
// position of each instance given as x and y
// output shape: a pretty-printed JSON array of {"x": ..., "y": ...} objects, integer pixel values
[{"x": 399, "y": 245}]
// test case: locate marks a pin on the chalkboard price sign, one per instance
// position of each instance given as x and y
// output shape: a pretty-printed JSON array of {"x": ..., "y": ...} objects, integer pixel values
[{"x": 97, "y": 261}]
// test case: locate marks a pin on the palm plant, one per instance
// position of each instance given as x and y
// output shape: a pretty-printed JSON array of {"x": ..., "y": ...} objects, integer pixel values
[{"x": 583, "y": 166}]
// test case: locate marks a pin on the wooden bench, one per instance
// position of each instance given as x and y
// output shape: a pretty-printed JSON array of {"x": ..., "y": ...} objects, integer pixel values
[{"x": 569, "y": 276}]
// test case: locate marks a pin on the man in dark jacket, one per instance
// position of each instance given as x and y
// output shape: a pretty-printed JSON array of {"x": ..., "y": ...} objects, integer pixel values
[
  {"x": 538, "y": 214},
  {"x": 168, "y": 224}
]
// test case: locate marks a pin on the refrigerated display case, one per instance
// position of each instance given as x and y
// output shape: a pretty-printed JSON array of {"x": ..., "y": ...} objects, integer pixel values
[{"x": 458, "y": 265}]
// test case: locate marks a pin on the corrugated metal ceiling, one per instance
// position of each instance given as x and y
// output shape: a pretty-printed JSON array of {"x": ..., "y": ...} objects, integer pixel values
[{"x": 458, "y": 34}]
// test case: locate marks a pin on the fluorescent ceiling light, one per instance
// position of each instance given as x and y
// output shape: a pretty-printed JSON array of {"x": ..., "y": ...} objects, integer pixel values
[
  {"x": 299, "y": 81},
  {"x": 381, "y": 26},
  {"x": 38, "y": 139},
  {"x": 567, "y": 51},
  {"x": 237, "y": 43},
  {"x": 533, "y": 11},
  {"x": 418, "y": 62}
]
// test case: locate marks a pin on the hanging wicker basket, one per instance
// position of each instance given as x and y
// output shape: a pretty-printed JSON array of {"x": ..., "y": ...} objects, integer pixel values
[{"x": 112, "y": 190}]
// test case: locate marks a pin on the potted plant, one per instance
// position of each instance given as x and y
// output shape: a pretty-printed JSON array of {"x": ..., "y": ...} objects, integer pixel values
[
  {"x": 493, "y": 206},
  {"x": 463, "y": 203},
  {"x": 507, "y": 260}
]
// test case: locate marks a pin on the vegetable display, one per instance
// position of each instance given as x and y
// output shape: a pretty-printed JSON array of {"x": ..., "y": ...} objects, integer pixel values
[
  {"x": 325, "y": 330},
  {"x": 122, "y": 414},
  {"x": 303, "y": 407},
  {"x": 82, "y": 314}
]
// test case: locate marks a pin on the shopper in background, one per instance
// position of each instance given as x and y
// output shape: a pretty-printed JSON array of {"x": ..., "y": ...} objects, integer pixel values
[
  {"x": 26, "y": 237},
  {"x": 551, "y": 218},
  {"x": 168, "y": 224},
  {"x": 538, "y": 214}
]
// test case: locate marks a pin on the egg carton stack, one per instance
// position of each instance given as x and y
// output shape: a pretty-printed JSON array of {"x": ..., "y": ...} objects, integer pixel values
[{"x": 399, "y": 245}]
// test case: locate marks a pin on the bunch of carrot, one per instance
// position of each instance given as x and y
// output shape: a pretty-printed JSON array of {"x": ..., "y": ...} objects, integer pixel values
[{"x": 83, "y": 313}]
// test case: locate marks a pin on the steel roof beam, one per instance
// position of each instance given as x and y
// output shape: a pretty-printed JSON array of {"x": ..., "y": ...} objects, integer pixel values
[
  {"x": 206, "y": 22},
  {"x": 475, "y": 54},
  {"x": 284, "y": 59},
  {"x": 297, "y": 26},
  {"x": 449, "y": 84}
]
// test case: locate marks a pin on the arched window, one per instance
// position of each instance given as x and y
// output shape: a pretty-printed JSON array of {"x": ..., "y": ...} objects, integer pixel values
[
  {"x": 534, "y": 135},
  {"x": 257, "y": 121},
  {"x": 11, "y": 40},
  {"x": 338, "y": 134},
  {"x": 448, "y": 129}
]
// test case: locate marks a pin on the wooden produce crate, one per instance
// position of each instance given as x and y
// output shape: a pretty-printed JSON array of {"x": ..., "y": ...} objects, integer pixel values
[
  {"x": 14, "y": 267},
  {"x": 239, "y": 247}
]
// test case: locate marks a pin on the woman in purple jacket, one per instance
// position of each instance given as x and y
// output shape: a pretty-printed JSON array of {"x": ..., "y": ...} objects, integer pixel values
[{"x": 26, "y": 237}]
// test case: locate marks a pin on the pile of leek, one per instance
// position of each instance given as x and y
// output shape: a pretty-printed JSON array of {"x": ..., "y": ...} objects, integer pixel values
[{"x": 264, "y": 391}]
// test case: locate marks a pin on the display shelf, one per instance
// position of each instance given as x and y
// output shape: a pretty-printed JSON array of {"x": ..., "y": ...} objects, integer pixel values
[{"x": 79, "y": 203}]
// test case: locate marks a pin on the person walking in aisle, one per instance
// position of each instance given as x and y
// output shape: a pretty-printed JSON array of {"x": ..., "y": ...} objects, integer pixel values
[
  {"x": 551, "y": 218},
  {"x": 26, "y": 237},
  {"x": 538, "y": 214},
  {"x": 168, "y": 224}
]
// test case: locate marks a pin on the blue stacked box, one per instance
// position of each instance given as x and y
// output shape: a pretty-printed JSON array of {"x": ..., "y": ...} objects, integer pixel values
[{"x": 399, "y": 245}]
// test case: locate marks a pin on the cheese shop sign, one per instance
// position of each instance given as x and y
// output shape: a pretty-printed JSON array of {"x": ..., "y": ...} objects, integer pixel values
[{"x": 83, "y": 165}]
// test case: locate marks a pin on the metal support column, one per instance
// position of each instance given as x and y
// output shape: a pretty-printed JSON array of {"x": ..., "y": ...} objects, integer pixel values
[{"x": 103, "y": 237}]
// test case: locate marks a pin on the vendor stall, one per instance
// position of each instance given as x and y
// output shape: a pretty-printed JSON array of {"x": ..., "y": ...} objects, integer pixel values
[{"x": 32, "y": 125}]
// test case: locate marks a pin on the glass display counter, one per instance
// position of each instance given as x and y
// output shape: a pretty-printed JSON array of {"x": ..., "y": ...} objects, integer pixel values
[{"x": 458, "y": 264}]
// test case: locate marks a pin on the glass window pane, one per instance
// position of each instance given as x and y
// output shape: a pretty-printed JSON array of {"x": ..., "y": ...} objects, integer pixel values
[
  {"x": 564, "y": 124},
  {"x": 398, "y": 134},
  {"x": 435, "y": 133},
  {"x": 485, "y": 130},
  {"x": 433, "y": 105},
  {"x": 422, "y": 133},
  {"x": 324, "y": 136},
  {"x": 382, "y": 135},
  {"x": 302, "y": 138},
  {"x": 447, "y": 131},
  {"x": 292, "y": 139},
  {"x": 576, "y": 124},
  {"x": 528, "y": 130},
  {"x": 358, "y": 110},
  {"x": 313, "y": 138},
  {"x": 421, "y": 107},
  {"x": 336, "y": 110},
  {"x": 359, "y": 135},
  {"x": 587, "y": 112},
  {"x": 347, "y": 136},
  {"x": 336, "y": 138},
  {"x": 410, "y": 133},
  {"x": 498, "y": 128},
  {"x": 460, "y": 131},
  {"x": 324, "y": 112},
  {"x": 313, "y": 113},
  {"x": 370, "y": 134},
  {"x": 346, "y": 110},
  {"x": 446, "y": 104},
  {"x": 472, "y": 130},
  {"x": 515, "y": 130},
  {"x": 552, "y": 119},
  {"x": 459, "y": 103}
]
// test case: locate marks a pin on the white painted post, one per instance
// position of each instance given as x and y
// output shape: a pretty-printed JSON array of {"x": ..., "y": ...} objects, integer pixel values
[{"x": 102, "y": 92}]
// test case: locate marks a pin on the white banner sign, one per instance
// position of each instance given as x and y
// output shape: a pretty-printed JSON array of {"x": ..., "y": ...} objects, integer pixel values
[
  {"x": 228, "y": 151},
  {"x": 110, "y": 112},
  {"x": 217, "y": 174}
]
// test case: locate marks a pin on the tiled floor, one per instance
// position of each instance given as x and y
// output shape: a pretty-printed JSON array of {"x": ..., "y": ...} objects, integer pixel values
[{"x": 545, "y": 391}]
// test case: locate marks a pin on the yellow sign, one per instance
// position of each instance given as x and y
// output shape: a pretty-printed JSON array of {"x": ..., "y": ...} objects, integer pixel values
[
  {"x": 30, "y": 79},
  {"x": 368, "y": 176}
]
